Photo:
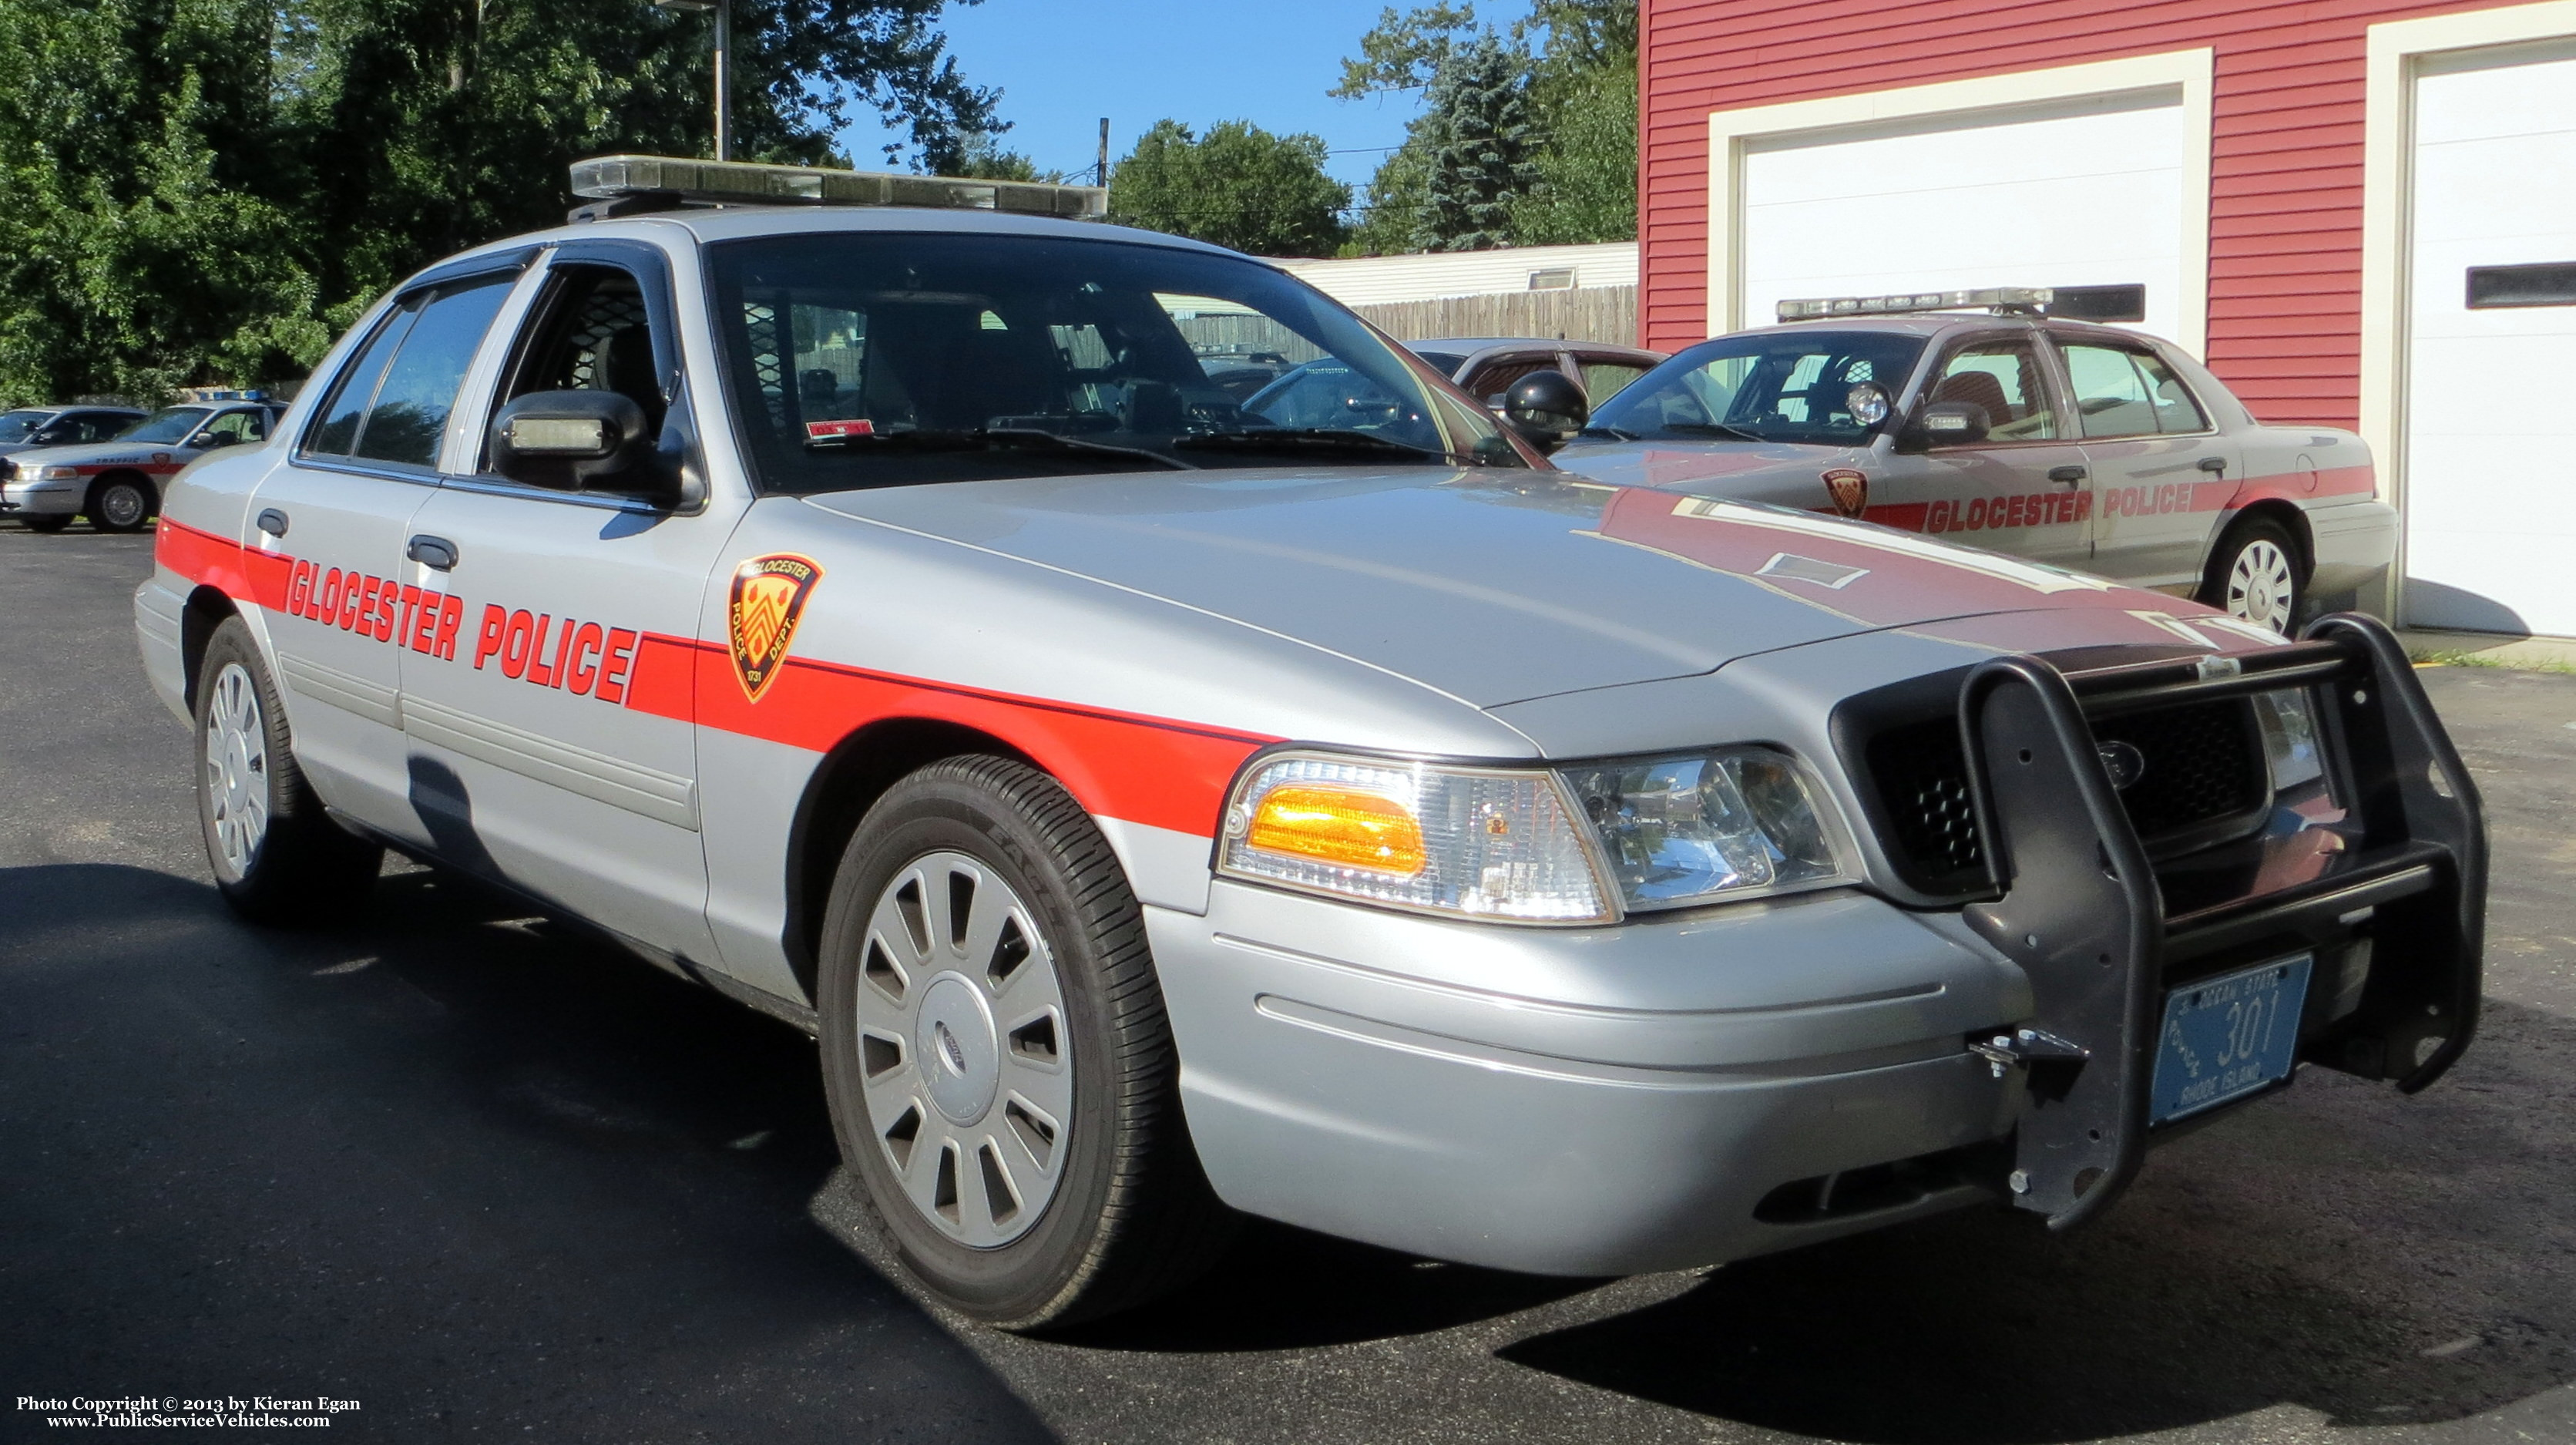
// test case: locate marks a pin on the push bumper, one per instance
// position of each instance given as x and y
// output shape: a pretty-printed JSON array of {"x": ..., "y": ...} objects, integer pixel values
[
  {"x": 1655, "y": 1096},
  {"x": 2077, "y": 905}
]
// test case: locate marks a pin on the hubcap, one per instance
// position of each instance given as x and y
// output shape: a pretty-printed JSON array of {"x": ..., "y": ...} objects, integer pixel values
[
  {"x": 2260, "y": 585},
  {"x": 966, "y": 1063},
  {"x": 123, "y": 506},
  {"x": 236, "y": 768}
]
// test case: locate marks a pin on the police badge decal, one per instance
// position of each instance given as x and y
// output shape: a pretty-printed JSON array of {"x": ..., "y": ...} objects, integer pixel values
[
  {"x": 768, "y": 597},
  {"x": 1848, "y": 490}
]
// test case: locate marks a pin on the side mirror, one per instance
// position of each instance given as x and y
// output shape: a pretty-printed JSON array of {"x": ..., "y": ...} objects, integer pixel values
[
  {"x": 573, "y": 441},
  {"x": 1948, "y": 424},
  {"x": 1547, "y": 408}
]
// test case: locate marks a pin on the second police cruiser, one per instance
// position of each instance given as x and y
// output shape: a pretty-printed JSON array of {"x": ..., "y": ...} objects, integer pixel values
[{"x": 1159, "y": 812}]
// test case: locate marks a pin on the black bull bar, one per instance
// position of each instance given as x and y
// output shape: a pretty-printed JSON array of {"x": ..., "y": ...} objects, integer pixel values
[{"x": 2074, "y": 898}]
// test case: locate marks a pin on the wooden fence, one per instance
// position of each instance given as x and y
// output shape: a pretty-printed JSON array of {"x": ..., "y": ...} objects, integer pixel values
[{"x": 1601, "y": 313}]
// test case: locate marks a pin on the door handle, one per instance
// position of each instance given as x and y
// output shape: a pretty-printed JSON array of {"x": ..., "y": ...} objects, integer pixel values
[
  {"x": 2213, "y": 464},
  {"x": 2070, "y": 475},
  {"x": 433, "y": 552},
  {"x": 272, "y": 521}
]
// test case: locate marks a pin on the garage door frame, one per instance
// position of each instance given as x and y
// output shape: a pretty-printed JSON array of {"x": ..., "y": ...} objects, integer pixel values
[
  {"x": 2186, "y": 72},
  {"x": 2398, "y": 50}
]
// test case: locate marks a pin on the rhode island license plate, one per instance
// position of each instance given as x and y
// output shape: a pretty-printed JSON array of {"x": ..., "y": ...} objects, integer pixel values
[{"x": 2224, "y": 1038}]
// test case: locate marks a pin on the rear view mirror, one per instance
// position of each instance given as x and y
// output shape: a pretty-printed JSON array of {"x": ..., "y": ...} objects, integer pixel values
[
  {"x": 573, "y": 441},
  {"x": 1949, "y": 424},
  {"x": 1547, "y": 408}
]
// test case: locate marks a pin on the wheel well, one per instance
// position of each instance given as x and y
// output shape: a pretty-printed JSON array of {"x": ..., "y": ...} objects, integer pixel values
[
  {"x": 205, "y": 611},
  {"x": 851, "y": 778},
  {"x": 2290, "y": 519}
]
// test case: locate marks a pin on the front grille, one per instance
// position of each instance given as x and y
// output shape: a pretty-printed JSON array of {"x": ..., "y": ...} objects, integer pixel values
[
  {"x": 2204, "y": 763},
  {"x": 2204, "y": 768}
]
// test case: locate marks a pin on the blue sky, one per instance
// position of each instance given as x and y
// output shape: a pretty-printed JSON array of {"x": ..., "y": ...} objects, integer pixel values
[{"x": 1063, "y": 64}]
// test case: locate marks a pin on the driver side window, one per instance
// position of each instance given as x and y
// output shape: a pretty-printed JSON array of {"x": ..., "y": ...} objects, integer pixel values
[{"x": 2003, "y": 377}]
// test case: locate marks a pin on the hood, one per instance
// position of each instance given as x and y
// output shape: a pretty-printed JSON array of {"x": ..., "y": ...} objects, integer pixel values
[
  {"x": 104, "y": 454},
  {"x": 1761, "y": 471},
  {"x": 1493, "y": 587}
]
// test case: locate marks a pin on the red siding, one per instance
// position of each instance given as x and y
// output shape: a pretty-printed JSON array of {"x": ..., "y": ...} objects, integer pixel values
[{"x": 2285, "y": 162}]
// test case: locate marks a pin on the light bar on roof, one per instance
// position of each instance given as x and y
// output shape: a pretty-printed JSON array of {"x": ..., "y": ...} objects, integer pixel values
[
  {"x": 741, "y": 183},
  {"x": 2022, "y": 298},
  {"x": 2126, "y": 302}
]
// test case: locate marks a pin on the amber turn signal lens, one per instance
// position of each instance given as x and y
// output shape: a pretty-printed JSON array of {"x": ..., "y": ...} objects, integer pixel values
[{"x": 1348, "y": 826}]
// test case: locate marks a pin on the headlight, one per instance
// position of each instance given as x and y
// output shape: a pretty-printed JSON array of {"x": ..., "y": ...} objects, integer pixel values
[
  {"x": 1705, "y": 826},
  {"x": 57, "y": 474},
  {"x": 1481, "y": 842},
  {"x": 1510, "y": 844}
]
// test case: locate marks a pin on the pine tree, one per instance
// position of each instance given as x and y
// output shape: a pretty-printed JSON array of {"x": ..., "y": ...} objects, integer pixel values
[{"x": 1481, "y": 146}]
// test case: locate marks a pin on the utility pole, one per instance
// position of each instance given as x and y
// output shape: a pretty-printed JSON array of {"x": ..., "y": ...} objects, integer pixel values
[
  {"x": 724, "y": 62},
  {"x": 1104, "y": 152}
]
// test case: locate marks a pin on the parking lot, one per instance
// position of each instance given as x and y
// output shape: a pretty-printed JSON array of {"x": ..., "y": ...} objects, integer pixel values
[{"x": 490, "y": 1181}]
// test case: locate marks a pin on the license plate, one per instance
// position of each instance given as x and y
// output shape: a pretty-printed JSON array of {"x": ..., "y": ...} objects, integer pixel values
[{"x": 2224, "y": 1038}]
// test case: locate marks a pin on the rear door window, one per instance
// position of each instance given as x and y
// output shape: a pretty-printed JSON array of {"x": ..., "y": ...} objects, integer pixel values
[
  {"x": 1603, "y": 380},
  {"x": 2125, "y": 393}
]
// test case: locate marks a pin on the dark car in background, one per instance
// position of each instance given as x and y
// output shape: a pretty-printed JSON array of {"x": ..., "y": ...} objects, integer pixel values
[{"x": 55, "y": 426}]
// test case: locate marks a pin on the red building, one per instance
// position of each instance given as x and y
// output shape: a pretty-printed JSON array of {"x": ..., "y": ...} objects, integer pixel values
[{"x": 2359, "y": 212}]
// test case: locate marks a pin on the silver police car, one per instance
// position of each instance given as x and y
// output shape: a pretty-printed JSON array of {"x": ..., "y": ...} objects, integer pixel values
[
  {"x": 117, "y": 483},
  {"x": 1161, "y": 814},
  {"x": 2084, "y": 446}
]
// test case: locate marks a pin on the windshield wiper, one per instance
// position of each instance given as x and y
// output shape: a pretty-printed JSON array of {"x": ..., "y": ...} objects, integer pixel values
[
  {"x": 1715, "y": 428},
  {"x": 1612, "y": 432},
  {"x": 987, "y": 439},
  {"x": 1312, "y": 440}
]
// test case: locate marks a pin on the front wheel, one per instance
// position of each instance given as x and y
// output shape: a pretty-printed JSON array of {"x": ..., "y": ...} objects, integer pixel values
[
  {"x": 277, "y": 857},
  {"x": 120, "y": 504},
  {"x": 1002, "y": 1078},
  {"x": 2255, "y": 574}
]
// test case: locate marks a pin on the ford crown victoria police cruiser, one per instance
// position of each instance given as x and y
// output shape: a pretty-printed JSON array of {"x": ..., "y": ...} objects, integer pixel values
[
  {"x": 1159, "y": 812},
  {"x": 2078, "y": 445},
  {"x": 117, "y": 483}
]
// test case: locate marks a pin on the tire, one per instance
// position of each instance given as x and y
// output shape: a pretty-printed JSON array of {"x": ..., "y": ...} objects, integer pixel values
[
  {"x": 119, "y": 504},
  {"x": 49, "y": 522},
  {"x": 277, "y": 857},
  {"x": 1010, "y": 1104},
  {"x": 2255, "y": 573}
]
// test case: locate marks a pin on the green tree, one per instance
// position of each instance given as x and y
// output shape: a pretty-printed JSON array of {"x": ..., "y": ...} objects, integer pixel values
[
  {"x": 206, "y": 190},
  {"x": 1577, "y": 74},
  {"x": 1237, "y": 186},
  {"x": 1480, "y": 145}
]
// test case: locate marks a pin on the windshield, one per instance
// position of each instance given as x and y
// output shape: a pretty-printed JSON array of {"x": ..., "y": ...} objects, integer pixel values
[
  {"x": 17, "y": 426},
  {"x": 884, "y": 359},
  {"x": 170, "y": 424},
  {"x": 1770, "y": 386}
]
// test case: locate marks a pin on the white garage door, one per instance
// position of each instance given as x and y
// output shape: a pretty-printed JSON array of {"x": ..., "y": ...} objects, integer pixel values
[
  {"x": 2073, "y": 194},
  {"x": 2491, "y": 435}
]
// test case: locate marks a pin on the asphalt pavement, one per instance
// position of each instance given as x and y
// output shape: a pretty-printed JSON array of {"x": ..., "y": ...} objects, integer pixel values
[{"x": 490, "y": 1181}]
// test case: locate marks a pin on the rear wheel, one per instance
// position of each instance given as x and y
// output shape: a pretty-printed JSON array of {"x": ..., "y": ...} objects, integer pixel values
[
  {"x": 277, "y": 857},
  {"x": 49, "y": 522},
  {"x": 119, "y": 504},
  {"x": 2255, "y": 574},
  {"x": 1001, "y": 1075}
]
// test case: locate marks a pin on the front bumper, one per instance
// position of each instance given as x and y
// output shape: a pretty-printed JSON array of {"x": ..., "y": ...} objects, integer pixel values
[
  {"x": 1581, "y": 1101},
  {"x": 39, "y": 499},
  {"x": 1685, "y": 1090}
]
